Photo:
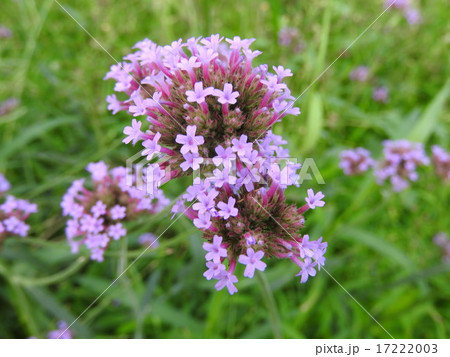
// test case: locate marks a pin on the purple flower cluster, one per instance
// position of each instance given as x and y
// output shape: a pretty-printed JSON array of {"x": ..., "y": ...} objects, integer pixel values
[
  {"x": 241, "y": 208},
  {"x": 13, "y": 213},
  {"x": 441, "y": 240},
  {"x": 98, "y": 215},
  {"x": 411, "y": 14},
  {"x": 207, "y": 106},
  {"x": 201, "y": 88},
  {"x": 148, "y": 240},
  {"x": 360, "y": 74},
  {"x": 399, "y": 164},
  {"x": 441, "y": 162},
  {"x": 356, "y": 161},
  {"x": 401, "y": 159},
  {"x": 290, "y": 37}
]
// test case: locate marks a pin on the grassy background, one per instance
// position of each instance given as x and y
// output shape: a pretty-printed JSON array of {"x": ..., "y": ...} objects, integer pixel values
[{"x": 380, "y": 243}]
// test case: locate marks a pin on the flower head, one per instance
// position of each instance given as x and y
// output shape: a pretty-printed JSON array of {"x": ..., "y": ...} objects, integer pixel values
[
  {"x": 97, "y": 216},
  {"x": 400, "y": 162},
  {"x": 355, "y": 162},
  {"x": 14, "y": 212}
]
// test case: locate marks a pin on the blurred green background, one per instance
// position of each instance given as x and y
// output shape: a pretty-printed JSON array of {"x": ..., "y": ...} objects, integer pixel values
[{"x": 380, "y": 243}]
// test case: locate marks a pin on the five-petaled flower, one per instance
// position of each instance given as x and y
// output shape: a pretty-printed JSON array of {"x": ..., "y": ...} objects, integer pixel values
[
  {"x": 214, "y": 250},
  {"x": 314, "y": 200},
  {"x": 252, "y": 261}
]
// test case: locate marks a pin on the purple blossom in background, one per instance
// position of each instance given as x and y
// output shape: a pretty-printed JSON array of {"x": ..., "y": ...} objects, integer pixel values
[
  {"x": 360, "y": 74},
  {"x": 399, "y": 164},
  {"x": 398, "y": 4},
  {"x": 380, "y": 94},
  {"x": 61, "y": 333},
  {"x": 13, "y": 212},
  {"x": 290, "y": 37},
  {"x": 215, "y": 109},
  {"x": 441, "y": 162},
  {"x": 442, "y": 240},
  {"x": 96, "y": 218},
  {"x": 4, "y": 184},
  {"x": 8, "y": 105},
  {"x": 5, "y": 32},
  {"x": 148, "y": 240},
  {"x": 356, "y": 161},
  {"x": 413, "y": 16}
]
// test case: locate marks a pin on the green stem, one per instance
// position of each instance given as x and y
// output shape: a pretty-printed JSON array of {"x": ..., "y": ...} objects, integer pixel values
[
  {"x": 52, "y": 279},
  {"x": 270, "y": 303}
]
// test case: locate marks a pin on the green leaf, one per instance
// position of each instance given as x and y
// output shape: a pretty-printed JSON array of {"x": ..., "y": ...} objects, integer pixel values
[
  {"x": 378, "y": 243},
  {"x": 32, "y": 132},
  {"x": 427, "y": 124},
  {"x": 314, "y": 123}
]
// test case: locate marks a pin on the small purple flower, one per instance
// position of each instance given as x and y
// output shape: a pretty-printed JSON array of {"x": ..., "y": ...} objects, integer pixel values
[
  {"x": 241, "y": 146},
  {"x": 190, "y": 142},
  {"x": 134, "y": 132},
  {"x": 227, "y": 96},
  {"x": 227, "y": 279},
  {"x": 203, "y": 221},
  {"x": 206, "y": 202},
  {"x": 151, "y": 147},
  {"x": 214, "y": 250},
  {"x": 214, "y": 270},
  {"x": 224, "y": 156},
  {"x": 98, "y": 170},
  {"x": 116, "y": 231},
  {"x": 114, "y": 105},
  {"x": 91, "y": 224},
  {"x": 99, "y": 209},
  {"x": 360, "y": 74},
  {"x": 227, "y": 209},
  {"x": 193, "y": 161},
  {"x": 412, "y": 16},
  {"x": 314, "y": 200},
  {"x": 4, "y": 184},
  {"x": 199, "y": 94},
  {"x": 307, "y": 270},
  {"x": 148, "y": 240},
  {"x": 380, "y": 94},
  {"x": 62, "y": 333},
  {"x": 252, "y": 261},
  {"x": 118, "y": 212},
  {"x": 5, "y": 32}
]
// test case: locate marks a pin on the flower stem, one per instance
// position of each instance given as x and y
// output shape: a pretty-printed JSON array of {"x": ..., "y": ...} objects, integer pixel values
[
  {"x": 52, "y": 279},
  {"x": 270, "y": 303}
]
